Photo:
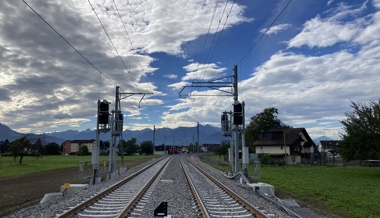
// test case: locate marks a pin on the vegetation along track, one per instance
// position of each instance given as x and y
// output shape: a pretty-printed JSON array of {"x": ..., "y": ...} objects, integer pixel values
[{"x": 119, "y": 199}]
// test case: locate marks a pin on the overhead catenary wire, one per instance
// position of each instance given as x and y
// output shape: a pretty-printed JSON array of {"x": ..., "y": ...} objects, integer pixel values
[
  {"x": 138, "y": 60},
  {"x": 204, "y": 68},
  {"x": 213, "y": 49},
  {"x": 254, "y": 45},
  {"x": 263, "y": 34},
  {"x": 118, "y": 54},
  {"x": 76, "y": 50},
  {"x": 204, "y": 43},
  {"x": 113, "y": 45}
]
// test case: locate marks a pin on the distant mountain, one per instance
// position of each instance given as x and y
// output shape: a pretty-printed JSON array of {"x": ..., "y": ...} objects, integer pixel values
[
  {"x": 179, "y": 136},
  {"x": 322, "y": 138},
  {"x": 8, "y": 133},
  {"x": 11, "y": 135}
]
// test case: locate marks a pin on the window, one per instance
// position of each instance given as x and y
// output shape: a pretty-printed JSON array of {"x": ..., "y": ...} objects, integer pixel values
[{"x": 265, "y": 136}]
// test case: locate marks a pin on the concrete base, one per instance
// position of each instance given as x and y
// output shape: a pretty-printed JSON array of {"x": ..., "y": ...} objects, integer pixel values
[
  {"x": 113, "y": 175},
  {"x": 122, "y": 170},
  {"x": 97, "y": 181},
  {"x": 75, "y": 188},
  {"x": 51, "y": 196},
  {"x": 266, "y": 189},
  {"x": 289, "y": 203}
]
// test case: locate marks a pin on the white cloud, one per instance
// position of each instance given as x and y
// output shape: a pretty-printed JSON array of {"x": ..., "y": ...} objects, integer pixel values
[
  {"x": 324, "y": 32},
  {"x": 311, "y": 89},
  {"x": 179, "y": 85},
  {"x": 47, "y": 83},
  {"x": 197, "y": 71},
  {"x": 276, "y": 29},
  {"x": 171, "y": 76},
  {"x": 376, "y": 3},
  {"x": 370, "y": 33},
  {"x": 161, "y": 26}
]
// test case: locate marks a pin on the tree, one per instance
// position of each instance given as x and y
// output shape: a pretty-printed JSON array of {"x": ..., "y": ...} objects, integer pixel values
[
  {"x": 263, "y": 121},
  {"x": 83, "y": 151},
  {"x": 222, "y": 150},
  {"x": 146, "y": 147},
  {"x": 52, "y": 148},
  {"x": 4, "y": 146},
  {"x": 22, "y": 147},
  {"x": 130, "y": 146},
  {"x": 361, "y": 139}
]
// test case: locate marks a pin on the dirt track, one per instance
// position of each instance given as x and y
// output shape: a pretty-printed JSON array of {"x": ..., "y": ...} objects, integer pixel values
[{"x": 16, "y": 193}]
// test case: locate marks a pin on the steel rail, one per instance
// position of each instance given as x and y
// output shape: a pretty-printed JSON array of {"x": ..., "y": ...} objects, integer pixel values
[
  {"x": 75, "y": 210},
  {"x": 195, "y": 193},
  {"x": 247, "y": 205},
  {"x": 129, "y": 207}
]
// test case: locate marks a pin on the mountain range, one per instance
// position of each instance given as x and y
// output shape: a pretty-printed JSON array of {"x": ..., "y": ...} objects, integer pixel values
[{"x": 179, "y": 136}]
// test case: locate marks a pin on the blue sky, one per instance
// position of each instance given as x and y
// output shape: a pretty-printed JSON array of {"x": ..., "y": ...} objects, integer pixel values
[{"x": 315, "y": 59}]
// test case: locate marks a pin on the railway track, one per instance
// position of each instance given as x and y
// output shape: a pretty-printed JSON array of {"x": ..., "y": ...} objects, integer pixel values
[
  {"x": 215, "y": 199},
  {"x": 132, "y": 197},
  {"x": 120, "y": 199}
]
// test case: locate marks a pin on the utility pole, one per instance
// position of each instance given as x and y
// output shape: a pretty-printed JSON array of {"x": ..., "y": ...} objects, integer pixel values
[
  {"x": 164, "y": 144},
  {"x": 236, "y": 125},
  {"x": 117, "y": 128},
  {"x": 154, "y": 138},
  {"x": 237, "y": 117},
  {"x": 198, "y": 137},
  {"x": 102, "y": 125}
]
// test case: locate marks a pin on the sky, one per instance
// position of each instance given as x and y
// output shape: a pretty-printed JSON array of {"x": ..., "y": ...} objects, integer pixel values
[{"x": 309, "y": 59}]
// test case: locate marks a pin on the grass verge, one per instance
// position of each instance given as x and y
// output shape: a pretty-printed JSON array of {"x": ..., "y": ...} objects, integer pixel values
[
  {"x": 10, "y": 168},
  {"x": 345, "y": 191}
]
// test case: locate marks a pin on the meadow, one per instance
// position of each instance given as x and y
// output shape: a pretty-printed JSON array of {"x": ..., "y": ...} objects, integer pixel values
[
  {"x": 10, "y": 168},
  {"x": 350, "y": 192}
]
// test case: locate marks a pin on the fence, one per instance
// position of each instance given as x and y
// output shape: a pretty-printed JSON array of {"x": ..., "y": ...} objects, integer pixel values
[{"x": 86, "y": 171}]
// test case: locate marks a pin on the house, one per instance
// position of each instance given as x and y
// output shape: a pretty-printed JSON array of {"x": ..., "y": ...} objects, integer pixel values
[
  {"x": 74, "y": 145},
  {"x": 210, "y": 147},
  {"x": 292, "y": 145},
  {"x": 168, "y": 149},
  {"x": 331, "y": 146}
]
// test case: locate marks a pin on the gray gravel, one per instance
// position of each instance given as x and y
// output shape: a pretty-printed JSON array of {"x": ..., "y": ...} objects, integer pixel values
[
  {"x": 176, "y": 193},
  {"x": 252, "y": 197}
]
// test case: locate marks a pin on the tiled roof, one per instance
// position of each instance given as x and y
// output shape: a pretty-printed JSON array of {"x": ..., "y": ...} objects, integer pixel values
[{"x": 291, "y": 136}]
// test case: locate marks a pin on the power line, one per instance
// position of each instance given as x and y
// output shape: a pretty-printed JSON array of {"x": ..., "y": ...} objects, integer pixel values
[
  {"x": 88, "y": 61},
  {"x": 216, "y": 44},
  {"x": 262, "y": 35},
  {"x": 118, "y": 54},
  {"x": 130, "y": 41},
  {"x": 113, "y": 45},
  {"x": 212, "y": 47},
  {"x": 213, "y": 39}
]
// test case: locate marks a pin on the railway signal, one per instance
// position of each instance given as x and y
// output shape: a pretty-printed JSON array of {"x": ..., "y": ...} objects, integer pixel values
[
  {"x": 103, "y": 112},
  {"x": 238, "y": 114}
]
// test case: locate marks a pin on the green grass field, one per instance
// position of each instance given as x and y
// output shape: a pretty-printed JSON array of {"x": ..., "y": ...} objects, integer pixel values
[
  {"x": 345, "y": 191},
  {"x": 10, "y": 168}
]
